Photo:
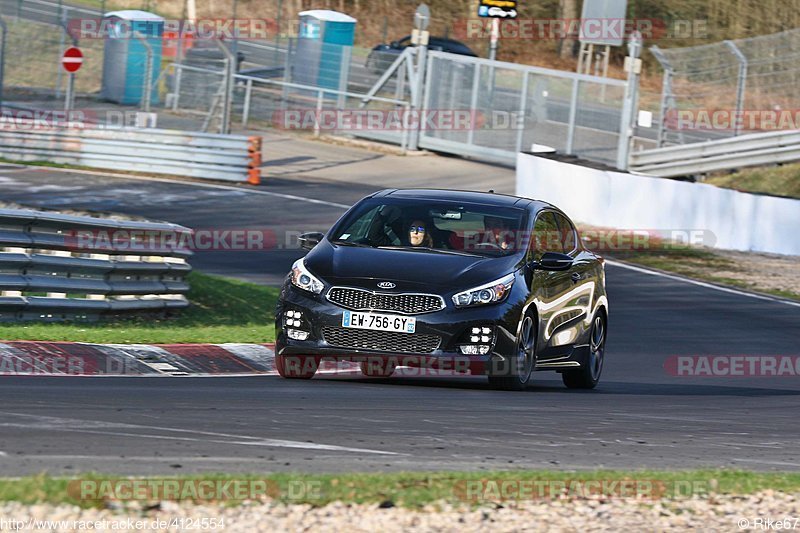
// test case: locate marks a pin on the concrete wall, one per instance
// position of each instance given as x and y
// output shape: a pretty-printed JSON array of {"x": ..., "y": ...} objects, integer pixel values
[{"x": 734, "y": 220}]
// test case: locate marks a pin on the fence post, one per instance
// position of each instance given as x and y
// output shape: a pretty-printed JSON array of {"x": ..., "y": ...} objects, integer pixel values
[
  {"x": 320, "y": 99},
  {"x": 4, "y": 27},
  {"x": 473, "y": 103},
  {"x": 573, "y": 116},
  {"x": 633, "y": 64},
  {"x": 148, "y": 72},
  {"x": 248, "y": 89},
  {"x": 176, "y": 87},
  {"x": 344, "y": 75},
  {"x": 740, "y": 85},
  {"x": 227, "y": 97},
  {"x": 667, "y": 98},
  {"x": 416, "y": 94},
  {"x": 523, "y": 106},
  {"x": 61, "y": 47}
]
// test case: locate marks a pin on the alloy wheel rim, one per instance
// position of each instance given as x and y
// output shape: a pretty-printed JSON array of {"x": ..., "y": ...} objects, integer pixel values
[
  {"x": 525, "y": 350},
  {"x": 597, "y": 347}
]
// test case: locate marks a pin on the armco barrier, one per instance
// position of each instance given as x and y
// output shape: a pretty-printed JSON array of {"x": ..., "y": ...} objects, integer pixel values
[
  {"x": 180, "y": 153},
  {"x": 725, "y": 154},
  {"x": 607, "y": 199},
  {"x": 57, "y": 267}
]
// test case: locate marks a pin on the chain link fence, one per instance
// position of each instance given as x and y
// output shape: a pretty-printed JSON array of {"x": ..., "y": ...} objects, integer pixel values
[
  {"x": 729, "y": 88},
  {"x": 399, "y": 95}
]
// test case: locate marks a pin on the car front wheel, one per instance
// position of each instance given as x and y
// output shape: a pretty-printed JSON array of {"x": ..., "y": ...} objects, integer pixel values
[
  {"x": 515, "y": 372},
  {"x": 588, "y": 376}
]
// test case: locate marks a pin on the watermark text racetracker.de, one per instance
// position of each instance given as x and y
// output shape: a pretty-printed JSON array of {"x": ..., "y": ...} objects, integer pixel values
[
  {"x": 194, "y": 490},
  {"x": 518, "y": 489},
  {"x": 733, "y": 366},
  {"x": 49, "y": 119},
  {"x": 397, "y": 119},
  {"x": 265, "y": 239},
  {"x": 175, "y": 523},
  {"x": 588, "y": 29},
  {"x": 727, "y": 120}
]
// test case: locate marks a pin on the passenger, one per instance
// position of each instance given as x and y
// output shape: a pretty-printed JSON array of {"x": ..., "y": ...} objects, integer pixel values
[
  {"x": 419, "y": 234},
  {"x": 497, "y": 232}
]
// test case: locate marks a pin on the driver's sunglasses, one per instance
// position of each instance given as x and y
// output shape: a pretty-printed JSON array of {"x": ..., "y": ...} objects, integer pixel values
[{"x": 416, "y": 229}]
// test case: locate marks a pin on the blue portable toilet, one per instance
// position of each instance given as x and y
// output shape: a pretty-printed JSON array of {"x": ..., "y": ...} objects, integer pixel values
[
  {"x": 324, "y": 47},
  {"x": 125, "y": 55}
]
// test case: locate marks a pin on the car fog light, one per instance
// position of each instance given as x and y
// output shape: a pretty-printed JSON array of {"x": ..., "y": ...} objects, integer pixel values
[
  {"x": 474, "y": 349},
  {"x": 297, "y": 335}
]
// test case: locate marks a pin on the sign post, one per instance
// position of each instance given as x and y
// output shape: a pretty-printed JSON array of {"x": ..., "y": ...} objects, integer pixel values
[
  {"x": 496, "y": 10},
  {"x": 71, "y": 61},
  {"x": 419, "y": 38}
]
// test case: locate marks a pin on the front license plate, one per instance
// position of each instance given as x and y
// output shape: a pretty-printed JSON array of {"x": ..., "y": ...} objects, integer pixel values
[{"x": 379, "y": 322}]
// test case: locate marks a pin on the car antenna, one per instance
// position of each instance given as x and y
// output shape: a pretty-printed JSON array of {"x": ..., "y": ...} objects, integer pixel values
[{"x": 491, "y": 191}]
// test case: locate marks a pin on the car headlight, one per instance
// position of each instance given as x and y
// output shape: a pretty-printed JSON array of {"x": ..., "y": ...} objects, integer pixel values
[
  {"x": 490, "y": 293},
  {"x": 303, "y": 279}
]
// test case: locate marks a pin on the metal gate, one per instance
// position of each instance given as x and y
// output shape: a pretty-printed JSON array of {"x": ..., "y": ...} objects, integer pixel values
[{"x": 511, "y": 107}]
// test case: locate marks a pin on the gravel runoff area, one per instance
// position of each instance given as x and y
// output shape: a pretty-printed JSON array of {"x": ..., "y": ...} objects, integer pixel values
[{"x": 714, "y": 513}]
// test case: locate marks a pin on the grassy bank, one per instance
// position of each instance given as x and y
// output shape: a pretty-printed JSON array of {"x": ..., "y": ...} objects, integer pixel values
[
  {"x": 780, "y": 180},
  {"x": 418, "y": 489},
  {"x": 222, "y": 310},
  {"x": 707, "y": 265}
]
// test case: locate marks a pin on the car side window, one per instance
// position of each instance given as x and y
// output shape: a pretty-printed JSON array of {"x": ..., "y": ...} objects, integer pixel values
[
  {"x": 567, "y": 233},
  {"x": 546, "y": 237}
]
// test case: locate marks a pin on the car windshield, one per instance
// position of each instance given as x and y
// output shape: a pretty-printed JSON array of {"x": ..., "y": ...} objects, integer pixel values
[{"x": 432, "y": 226}]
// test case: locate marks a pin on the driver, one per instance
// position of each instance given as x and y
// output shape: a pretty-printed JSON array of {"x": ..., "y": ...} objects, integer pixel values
[{"x": 419, "y": 234}]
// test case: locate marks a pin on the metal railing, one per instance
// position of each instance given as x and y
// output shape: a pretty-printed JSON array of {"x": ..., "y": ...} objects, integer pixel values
[
  {"x": 181, "y": 153},
  {"x": 61, "y": 267},
  {"x": 726, "y": 154}
]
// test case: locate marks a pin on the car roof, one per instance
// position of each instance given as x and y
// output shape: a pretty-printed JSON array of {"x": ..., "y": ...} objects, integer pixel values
[{"x": 486, "y": 198}]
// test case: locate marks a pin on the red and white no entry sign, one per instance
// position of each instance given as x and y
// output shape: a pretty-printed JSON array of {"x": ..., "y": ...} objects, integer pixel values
[{"x": 72, "y": 60}]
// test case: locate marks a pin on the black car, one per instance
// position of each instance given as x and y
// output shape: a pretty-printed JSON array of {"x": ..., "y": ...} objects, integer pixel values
[
  {"x": 423, "y": 278},
  {"x": 382, "y": 56}
]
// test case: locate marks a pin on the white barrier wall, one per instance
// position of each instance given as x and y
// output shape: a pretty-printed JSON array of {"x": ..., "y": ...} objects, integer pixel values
[{"x": 737, "y": 220}]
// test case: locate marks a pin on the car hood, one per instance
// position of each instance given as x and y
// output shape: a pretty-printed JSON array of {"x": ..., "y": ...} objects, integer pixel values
[{"x": 409, "y": 270}]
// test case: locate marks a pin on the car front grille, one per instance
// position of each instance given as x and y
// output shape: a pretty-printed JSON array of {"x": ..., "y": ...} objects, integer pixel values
[
  {"x": 363, "y": 300},
  {"x": 382, "y": 341}
]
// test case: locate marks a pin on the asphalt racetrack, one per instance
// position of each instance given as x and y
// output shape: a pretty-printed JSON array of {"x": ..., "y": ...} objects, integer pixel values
[{"x": 640, "y": 416}]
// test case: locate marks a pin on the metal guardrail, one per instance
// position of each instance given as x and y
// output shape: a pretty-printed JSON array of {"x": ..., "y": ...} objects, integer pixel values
[
  {"x": 180, "y": 153},
  {"x": 60, "y": 267},
  {"x": 726, "y": 154}
]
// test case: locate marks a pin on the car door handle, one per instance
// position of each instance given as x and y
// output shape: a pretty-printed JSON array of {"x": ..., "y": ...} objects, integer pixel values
[{"x": 576, "y": 277}]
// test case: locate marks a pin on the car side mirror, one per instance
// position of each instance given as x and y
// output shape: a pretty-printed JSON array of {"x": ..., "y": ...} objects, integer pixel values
[
  {"x": 310, "y": 240},
  {"x": 554, "y": 261},
  {"x": 395, "y": 44}
]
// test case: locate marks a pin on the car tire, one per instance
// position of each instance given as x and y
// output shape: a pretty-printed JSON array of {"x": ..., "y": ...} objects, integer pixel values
[
  {"x": 296, "y": 366},
  {"x": 514, "y": 373},
  {"x": 378, "y": 368},
  {"x": 588, "y": 376}
]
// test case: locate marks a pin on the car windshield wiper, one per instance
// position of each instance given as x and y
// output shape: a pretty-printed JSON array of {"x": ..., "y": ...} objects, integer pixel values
[{"x": 428, "y": 249}]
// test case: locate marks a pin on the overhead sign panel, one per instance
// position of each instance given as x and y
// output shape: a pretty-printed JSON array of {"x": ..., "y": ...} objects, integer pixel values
[{"x": 604, "y": 22}]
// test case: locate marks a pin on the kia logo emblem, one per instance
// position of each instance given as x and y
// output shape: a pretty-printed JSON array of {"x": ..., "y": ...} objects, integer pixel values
[{"x": 386, "y": 285}]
